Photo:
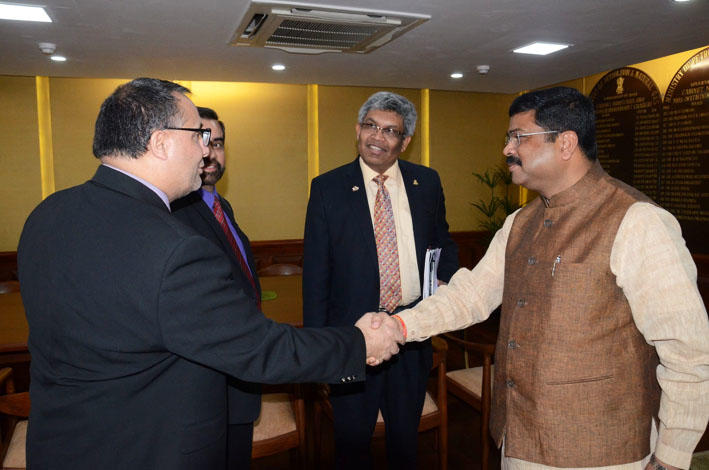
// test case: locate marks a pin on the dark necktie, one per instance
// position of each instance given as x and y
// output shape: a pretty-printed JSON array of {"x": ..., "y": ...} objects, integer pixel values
[{"x": 219, "y": 214}]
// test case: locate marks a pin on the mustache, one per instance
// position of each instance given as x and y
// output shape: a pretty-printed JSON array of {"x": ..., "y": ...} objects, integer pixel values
[{"x": 512, "y": 160}]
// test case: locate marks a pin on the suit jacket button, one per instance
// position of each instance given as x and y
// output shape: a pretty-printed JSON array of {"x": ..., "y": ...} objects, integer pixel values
[{"x": 521, "y": 302}]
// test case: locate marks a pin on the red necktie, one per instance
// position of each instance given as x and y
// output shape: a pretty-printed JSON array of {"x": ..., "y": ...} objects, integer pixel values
[{"x": 219, "y": 214}]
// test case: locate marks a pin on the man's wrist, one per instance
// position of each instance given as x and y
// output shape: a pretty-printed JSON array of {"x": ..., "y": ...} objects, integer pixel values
[
  {"x": 654, "y": 464},
  {"x": 403, "y": 325}
]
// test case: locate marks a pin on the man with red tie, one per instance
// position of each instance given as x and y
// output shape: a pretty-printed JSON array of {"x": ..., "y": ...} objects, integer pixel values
[{"x": 212, "y": 216}]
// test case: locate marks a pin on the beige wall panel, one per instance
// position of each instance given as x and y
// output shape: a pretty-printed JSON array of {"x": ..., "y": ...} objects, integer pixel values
[
  {"x": 75, "y": 104},
  {"x": 467, "y": 135},
  {"x": 20, "y": 179},
  {"x": 266, "y": 150},
  {"x": 338, "y": 117}
]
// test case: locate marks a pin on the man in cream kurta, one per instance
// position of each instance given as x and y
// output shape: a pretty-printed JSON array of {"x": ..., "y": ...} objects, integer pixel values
[{"x": 604, "y": 286}]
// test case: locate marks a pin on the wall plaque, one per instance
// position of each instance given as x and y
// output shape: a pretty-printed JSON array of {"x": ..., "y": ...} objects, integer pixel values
[
  {"x": 660, "y": 148},
  {"x": 628, "y": 119},
  {"x": 684, "y": 167}
]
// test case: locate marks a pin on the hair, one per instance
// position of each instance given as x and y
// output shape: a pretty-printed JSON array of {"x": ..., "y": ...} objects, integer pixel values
[
  {"x": 388, "y": 101},
  {"x": 209, "y": 113},
  {"x": 561, "y": 109},
  {"x": 132, "y": 113}
]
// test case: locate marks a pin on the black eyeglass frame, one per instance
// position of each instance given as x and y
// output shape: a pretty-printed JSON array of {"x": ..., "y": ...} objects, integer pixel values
[
  {"x": 386, "y": 131},
  {"x": 204, "y": 132}
]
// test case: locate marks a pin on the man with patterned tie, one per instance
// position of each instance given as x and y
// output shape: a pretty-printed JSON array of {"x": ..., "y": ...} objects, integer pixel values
[
  {"x": 367, "y": 229},
  {"x": 212, "y": 216}
]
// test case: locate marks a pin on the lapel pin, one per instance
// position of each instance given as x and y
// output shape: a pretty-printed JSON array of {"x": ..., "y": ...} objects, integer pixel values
[
  {"x": 355, "y": 188},
  {"x": 416, "y": 183}
]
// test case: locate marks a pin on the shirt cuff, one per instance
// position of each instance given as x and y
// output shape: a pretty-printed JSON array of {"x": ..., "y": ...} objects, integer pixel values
[{"x": 671, "y": 456}]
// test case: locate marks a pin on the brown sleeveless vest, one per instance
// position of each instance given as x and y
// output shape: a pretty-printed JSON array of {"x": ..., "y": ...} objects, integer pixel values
[{"x": 575, "y": 382}]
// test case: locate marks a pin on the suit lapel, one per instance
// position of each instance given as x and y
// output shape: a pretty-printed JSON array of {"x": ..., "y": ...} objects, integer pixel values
[
  {"x": 414, "y": 192},
  {"x": 356, "y": 195},
  {"x": 208, "y": 216},
  {"x": 244, "y": 241}
]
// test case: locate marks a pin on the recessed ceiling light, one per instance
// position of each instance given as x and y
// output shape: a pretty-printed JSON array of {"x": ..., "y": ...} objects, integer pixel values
[
  {"x": 23, "y": 13},
  {"x": 682, "y": 0},
  {"x": 278, "y": 67},
  {"x": 541, "y": 48},
  {"x": 58, "y": 58},
  {"x": 456, "y": 75}
]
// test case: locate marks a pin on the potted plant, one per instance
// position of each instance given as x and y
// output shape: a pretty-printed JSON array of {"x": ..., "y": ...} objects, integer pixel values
[{"x": 499, "y": 204}]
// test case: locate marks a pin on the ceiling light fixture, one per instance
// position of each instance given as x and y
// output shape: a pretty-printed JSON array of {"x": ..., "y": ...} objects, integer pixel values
[
  {"x": 278, "y": 67},
  {"x": 58, "y": 58},
  {"x": 540, "y": 48},
  {"x": 23, "y": 13},
  {"x": 680, "y": 1},
  {"x": 456, "y": 75}
]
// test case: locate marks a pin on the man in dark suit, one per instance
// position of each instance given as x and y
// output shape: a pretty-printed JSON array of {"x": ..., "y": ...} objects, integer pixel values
[
  {"x": 368, "y": 226},
  {"x": 211, "y": 215},
  {"x": 134, "y": 317}
]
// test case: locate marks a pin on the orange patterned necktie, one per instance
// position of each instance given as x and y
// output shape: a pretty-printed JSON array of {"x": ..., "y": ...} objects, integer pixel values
[
  {"x": 387, "y": 251},
  {"x": 219, "y": 214}
]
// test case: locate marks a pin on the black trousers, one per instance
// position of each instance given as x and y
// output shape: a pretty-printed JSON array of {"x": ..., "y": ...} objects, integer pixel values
[
  {"x": 398, "y": 388},
  {"x": 239, "y": 443}
]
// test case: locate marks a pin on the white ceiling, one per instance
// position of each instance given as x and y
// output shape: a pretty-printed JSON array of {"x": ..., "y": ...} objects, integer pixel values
[{"x": 188, "y": 40}]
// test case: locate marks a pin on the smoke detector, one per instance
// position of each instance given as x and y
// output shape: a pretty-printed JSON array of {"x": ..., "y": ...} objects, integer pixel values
[
  {"x": 483, "y": 69},
  {"x": 47, "y": 47},
  {"x": 314, "y": 29}
]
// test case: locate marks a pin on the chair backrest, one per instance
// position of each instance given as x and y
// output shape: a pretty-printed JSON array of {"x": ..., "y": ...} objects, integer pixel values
[
  {"x": 432, "y": 418},
  {"x": 479, "y": 395},
  {"x": 487, "y": 352},
  {"x": 9, "y": 286},
  {"x": 281, "y": 425},
  {"x": 14, "y": 409},
  {"x": 281, "y": 269}
]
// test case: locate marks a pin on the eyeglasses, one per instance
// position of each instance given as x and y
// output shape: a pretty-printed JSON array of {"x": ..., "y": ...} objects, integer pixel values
[
  {"x": 389, "y": 132},
  {"x": 206, "y": 132},
  {"x": 516, "y": 135}
]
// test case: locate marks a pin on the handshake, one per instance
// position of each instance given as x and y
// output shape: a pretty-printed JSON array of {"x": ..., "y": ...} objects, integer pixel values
[{"x": 382, "y": 335}]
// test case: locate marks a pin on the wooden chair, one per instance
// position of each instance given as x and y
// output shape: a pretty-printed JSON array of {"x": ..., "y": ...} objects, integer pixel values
[
  {"x": 9, "y": 286},
  {"x": 14, "y": 411},
  {"x": 434, "y": 415},
  {"x": 473, "y": 385},
  {"x": 280, "y": 269},
  {"x": 281, "y": 425}
]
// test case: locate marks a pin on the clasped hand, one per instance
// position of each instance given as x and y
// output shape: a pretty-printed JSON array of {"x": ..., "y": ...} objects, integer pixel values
[{"x": 382, "y": 335}]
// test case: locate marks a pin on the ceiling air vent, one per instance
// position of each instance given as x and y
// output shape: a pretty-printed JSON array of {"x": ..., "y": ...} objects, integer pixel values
[{"x": 313, "y": 29}]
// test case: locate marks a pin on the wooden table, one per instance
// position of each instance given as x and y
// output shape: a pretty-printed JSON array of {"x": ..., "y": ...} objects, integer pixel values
[
  {"x": 13, "y": 339},
  {"x": 13, "y": 324},
  {"x": 287, "y": 307}
]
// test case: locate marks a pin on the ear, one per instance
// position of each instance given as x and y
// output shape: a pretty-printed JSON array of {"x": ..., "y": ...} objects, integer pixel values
[
  {"x": 405, "y": 143},
  {"x": 159, "y": 144},
  {"x": 568, "y": 144}
]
